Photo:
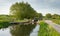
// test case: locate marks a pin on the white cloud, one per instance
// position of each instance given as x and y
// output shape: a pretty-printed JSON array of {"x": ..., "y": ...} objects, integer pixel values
[{"x": 43, "y": 6}]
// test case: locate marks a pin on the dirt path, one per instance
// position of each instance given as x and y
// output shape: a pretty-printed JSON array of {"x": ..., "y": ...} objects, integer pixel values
[{"x": 54, "y": 25}]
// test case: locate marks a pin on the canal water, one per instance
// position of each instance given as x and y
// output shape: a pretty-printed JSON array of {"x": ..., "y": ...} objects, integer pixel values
[{"x": 20, "y": 30}]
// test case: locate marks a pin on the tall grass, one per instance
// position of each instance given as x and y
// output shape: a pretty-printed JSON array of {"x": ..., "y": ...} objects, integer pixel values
[
  {"x": 57, "y": 21},
  {"x": 4, "y": 24},
  {"x": 47, "y": 30}
]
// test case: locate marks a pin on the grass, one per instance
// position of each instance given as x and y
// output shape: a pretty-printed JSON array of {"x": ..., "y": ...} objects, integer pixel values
[
  {"x": 57, "y": 21},
  {"x": 21, "y": 20},
  {"x": 47, "y": 30},
  {"x": 4, "y": 24}
]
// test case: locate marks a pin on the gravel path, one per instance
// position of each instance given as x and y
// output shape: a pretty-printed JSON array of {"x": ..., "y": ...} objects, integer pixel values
[{"x": 54, "y": 25}]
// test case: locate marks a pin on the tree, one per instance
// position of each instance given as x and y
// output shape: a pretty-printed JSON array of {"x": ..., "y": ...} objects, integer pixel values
[
  {"x": 48, "y": 16},
  {"x": 56, "y": 16},
  {"x": 40, "y": 16},
  {"x": 22, "y": 10}
]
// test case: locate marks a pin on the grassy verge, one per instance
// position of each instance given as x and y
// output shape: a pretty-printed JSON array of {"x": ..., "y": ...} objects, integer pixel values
[
  {"x": 21, "y": 20},
  {"x": 47, "y": 30},
  {"x": 57, "y": 21},
  {"x": 4, "y": 24}
]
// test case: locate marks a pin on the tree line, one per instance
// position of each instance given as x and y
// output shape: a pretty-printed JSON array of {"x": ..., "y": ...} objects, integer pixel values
[
  {"x": 54, "y": 16},
  {"x": 23, "y": 10}
]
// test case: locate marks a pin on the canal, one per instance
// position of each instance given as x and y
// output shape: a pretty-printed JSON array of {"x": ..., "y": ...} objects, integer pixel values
[{"x": 20, "y": 30}]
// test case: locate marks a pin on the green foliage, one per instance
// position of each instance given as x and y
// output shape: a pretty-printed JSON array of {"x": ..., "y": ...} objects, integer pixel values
[
  {"x": 56, "y": 16},
  {"x": 48, "y": 16},
  {"x": 5, "y": 18},
  {"x": 4, "y": 24},
  {"x": 47, "y": 30},
  {"x": 40, "y": 16},
  {"x": 57, "y": 21},
  {"x": 22, "y": 10}
]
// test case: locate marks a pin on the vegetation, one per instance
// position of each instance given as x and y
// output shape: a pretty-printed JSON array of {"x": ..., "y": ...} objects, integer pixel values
[
  {"x": 57, "y": 21},
  {"x": 19, "y": 11},
  {"x": 40, "y": 16},
  {"x": 56, "y": 16},
  {"x": 48, "y": 16},
  {"x": 4, "y": 24},
  {"x": 22, "y": 10},
  {"x": 25, "y": 11},
  {"x": 5, "y": 18},
  {"x": 47, "y": 30}
]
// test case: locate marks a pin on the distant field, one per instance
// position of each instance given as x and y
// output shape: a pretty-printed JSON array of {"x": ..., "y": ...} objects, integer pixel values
[
  {"x": 57, "y": 21},
  {"x": 47, "y": 30}
]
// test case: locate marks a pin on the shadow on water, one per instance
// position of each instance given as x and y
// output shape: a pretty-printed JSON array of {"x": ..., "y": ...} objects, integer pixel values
[
  {"x": 7, "y": 29},
  {"x": 22, "y": 30}
]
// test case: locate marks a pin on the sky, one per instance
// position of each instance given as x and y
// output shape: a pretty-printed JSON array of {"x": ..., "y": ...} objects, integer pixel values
[{"x": 41, "y": 6}]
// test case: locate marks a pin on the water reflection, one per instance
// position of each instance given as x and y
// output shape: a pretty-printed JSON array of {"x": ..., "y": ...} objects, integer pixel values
[
  {"x": 35, "y": 30},
  {"x": 22, "y": 30},
  {"x": 5, "y": 32}
]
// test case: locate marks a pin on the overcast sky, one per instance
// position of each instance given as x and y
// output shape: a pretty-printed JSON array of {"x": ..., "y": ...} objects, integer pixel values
[{"x": 41, "y": 6}]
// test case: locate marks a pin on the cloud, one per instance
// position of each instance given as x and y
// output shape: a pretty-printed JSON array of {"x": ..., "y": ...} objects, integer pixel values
[
  {"x": 43, "y": 6},
  {"x": 46, "y": 3}
]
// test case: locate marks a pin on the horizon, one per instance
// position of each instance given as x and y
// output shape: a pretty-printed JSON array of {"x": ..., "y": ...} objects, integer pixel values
[{"x": 41, "y": 6}]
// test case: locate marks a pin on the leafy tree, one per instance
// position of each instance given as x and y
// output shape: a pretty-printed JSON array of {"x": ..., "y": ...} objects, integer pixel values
[
  {"x": 40, "y": 16},
  {"x": 22, "y": 10},
  {"x": 48, "y": 16},
  {"x": 56, "y": 16}
]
